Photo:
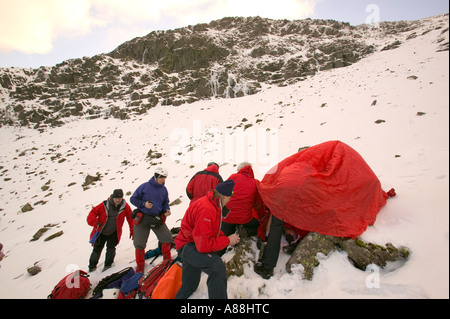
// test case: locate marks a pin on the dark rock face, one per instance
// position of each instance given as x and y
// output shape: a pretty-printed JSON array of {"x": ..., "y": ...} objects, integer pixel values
[{"x": 226, "y": 58}]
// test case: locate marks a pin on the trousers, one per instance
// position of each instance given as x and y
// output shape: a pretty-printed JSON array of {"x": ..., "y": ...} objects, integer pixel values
[
  {"x": 272, "y": 249},
  {"x": 251, "y": 227},
  {"x": 194, "y": 263},
  {"x": 111, "y": 243},
  {"x": 142, "y": 231}
]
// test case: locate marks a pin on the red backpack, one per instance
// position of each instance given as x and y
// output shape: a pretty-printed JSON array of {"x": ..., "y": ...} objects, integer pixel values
[
  {"x": 73, "y": 286},
  {"x": 148, "y": 283}
]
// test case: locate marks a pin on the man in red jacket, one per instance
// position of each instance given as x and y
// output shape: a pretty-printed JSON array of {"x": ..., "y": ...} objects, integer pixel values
[
  {"x": 200, "y": 239},
  {"x": 244, "y": 204},
  {"x": 107, "y": 220},
  {"x": 204, "y": 181}
]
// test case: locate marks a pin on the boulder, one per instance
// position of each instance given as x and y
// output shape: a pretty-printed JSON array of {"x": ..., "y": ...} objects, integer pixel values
[
  {"x": 360, "y": 253},
  {"x": 26, "y": 208},
  {"x": 34, "y": 270},
  {"x": 243, "y": 255},
  {"x": 54, "y": 235}
]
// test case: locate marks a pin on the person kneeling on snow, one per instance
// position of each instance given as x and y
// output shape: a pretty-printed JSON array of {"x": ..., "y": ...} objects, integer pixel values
[
  {"x": 200, "y": 240},
  {"x": 243, "y": 204},
  {"x": 107, "y": 220},
  {"x": 152, "y": 202}
]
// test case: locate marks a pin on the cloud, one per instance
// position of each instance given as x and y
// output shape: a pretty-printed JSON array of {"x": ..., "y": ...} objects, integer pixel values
[
  {"x": 31, "y": 26},
  {"x": 197, "y": 11},
  {"x": 279, "y": 9}
]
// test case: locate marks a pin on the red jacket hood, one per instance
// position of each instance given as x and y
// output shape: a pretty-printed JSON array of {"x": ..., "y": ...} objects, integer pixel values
[
  {"x": 212, "y": 169},
  {"x": 245, "y": 197},
  {"x": 247, "y": 171},
  {"x": 202, "y": 182}
]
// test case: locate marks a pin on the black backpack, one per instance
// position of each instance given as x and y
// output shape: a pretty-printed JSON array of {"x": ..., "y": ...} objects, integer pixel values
[{"x": 112, "y": 281}]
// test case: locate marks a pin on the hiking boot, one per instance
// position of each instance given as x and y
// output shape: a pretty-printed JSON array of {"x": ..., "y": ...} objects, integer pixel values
[
  {"x": 264, "y": 272},
  {"x": 289, "y": 249},
  {"x": 106, "y": 268}
]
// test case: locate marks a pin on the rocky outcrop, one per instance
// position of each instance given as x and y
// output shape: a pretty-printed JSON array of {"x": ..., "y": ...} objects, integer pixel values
[
  {"x": 242, "y": 255},
  {"x": 305, "y": 253},
  {"x": 360, "y": 253},
  {"x": 227, "y": 58}
]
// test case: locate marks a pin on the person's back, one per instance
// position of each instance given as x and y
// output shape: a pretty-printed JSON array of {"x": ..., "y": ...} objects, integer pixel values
[
  {"x": 204, "y": 181},
  {"x": 244, "y": 197}
]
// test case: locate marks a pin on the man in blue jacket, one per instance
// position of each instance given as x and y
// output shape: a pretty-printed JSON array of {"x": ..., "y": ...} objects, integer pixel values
[{"x": 152, "y": 202}]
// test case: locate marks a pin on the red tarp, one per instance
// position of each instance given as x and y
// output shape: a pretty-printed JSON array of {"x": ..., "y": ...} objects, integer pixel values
[{"x": 327, "y": 188}]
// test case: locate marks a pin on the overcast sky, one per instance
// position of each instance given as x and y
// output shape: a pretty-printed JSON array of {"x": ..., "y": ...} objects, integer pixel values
[{"x": 47, "y": 32}]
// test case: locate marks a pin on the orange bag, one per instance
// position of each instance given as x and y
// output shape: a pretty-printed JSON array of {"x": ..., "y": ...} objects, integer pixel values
[{"x": 169, "y": 284}]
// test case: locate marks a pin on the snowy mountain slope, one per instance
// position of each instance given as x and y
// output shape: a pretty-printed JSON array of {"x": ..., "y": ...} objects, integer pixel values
[
  {"x": 227, "y": 58},
  {"x": 408, "y": 151}
]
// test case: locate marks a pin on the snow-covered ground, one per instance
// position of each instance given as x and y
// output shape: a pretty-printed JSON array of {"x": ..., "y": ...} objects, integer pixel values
[{"x": 409, "y": 151}]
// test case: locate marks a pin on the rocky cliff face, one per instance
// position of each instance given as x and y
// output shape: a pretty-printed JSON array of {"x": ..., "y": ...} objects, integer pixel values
[{"x": 227, "y": 58}]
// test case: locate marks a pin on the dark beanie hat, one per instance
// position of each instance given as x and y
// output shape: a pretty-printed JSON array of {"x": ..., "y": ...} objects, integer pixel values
[
  {"x": 118, "y": 193},
  {"x": 226, "y": 188}
]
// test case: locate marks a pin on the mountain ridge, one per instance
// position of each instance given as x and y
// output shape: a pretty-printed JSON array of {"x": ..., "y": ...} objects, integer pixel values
[{"x": 226, "y": 58}]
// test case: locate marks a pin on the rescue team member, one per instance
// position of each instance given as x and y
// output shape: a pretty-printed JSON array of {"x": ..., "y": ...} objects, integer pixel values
[
  {"x": 245, "y": 203},
  {"x": 199, "y": 240},
  {"x": 107, "y": 220},
  {"x": 203, "y": 181},
  {"x": 152, "y": 202}
]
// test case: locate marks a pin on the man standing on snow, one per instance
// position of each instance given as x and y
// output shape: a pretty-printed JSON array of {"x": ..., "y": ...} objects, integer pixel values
[
  {"x": 152, "y": 202},
  {"x": 200, "y": 239},
  {"x": 107, "y": 220},
  {"x": 204, "y": 181}
]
